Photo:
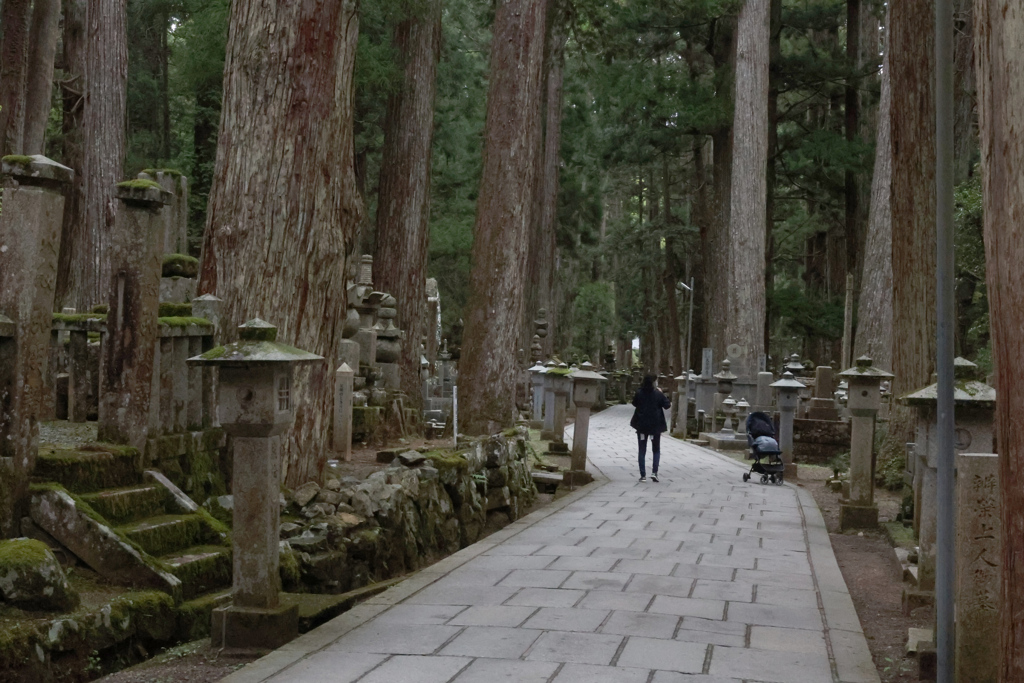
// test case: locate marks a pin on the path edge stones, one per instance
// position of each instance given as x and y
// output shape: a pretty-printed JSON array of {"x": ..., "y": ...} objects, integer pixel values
[{"x": 291, "y": 653}]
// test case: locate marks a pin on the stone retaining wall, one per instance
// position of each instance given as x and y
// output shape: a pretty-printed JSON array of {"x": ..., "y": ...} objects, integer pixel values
[{"x": 422, "y": 507}]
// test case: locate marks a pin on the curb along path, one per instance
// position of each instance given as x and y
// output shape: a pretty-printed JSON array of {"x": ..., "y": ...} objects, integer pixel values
[{"x": 697, "y": 579}]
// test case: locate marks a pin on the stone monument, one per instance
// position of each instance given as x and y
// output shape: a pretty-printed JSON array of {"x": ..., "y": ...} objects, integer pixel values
[
  {"x": 585, "y": 392},
  {"x": 256, "y": 410}
]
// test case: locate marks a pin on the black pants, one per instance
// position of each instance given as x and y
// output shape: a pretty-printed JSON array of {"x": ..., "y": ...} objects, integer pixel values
[{"x": 655, "y": 451}]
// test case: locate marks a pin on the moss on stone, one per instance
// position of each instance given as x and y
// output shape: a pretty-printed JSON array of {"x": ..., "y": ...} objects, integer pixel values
[
  {"x": 18, "y": 160},
  {"x": 21, "y": 553},
  {"x": 183, "y": 321},
  {"x": 169, "y": 310},
  {"x": 257, "y": 334},
  {"x": 291, "y": 574},
  {"x": 101, "y": 308},
  {"x": 78, "y": 317},
  {"x": 139, "y": 184},
  {"x": 180, "y": 265},
  {"x": 173, "y": 172},
  {"x": 446, "y": 460}
]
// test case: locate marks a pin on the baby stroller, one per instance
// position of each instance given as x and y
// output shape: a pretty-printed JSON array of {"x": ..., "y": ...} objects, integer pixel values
[{"x": 761, "y": 439}]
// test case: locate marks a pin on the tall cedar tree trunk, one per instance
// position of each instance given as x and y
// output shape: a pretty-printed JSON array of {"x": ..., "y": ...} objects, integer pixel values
[
  {"x": 853, "y": 213},
  {"x": 964, "y": 90},
  {"x": 39, "y": 83},
  {"x": 403, "y": 209},
  {"x": 544, "y": 228},
  {"x": 76, "y": 240},
  {"x": 283, "y": 208},
  {"x": 716, "y": 255},
  {"x": 912, "y": 64},
  {"x": 745, "y": 313},
  {"x": 670, "y": 276},
  {"x": 488, "y": 373},
  {"x": 702, "y": 215},
  {"x": 100, "y": 50},
  {"x": 874, "y": 307},
  {"x": 999, "y": 25},
  {"x": 774, "y": 78},
  {"x": 15, "y": 18}
]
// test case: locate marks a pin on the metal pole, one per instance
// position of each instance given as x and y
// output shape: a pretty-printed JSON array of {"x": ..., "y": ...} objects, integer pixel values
[{"x": 945, "y": 494}]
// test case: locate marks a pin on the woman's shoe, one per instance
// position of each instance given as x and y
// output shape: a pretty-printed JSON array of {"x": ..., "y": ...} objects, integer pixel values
[
  {"x": 654, "y": 477},
  {"x": 643, "y": 478}
]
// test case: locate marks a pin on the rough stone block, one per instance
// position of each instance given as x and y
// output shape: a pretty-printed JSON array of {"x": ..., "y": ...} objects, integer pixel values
[
  {"x": 31, "y": 577},
  {"x": 857, "y": 516},
  {"x": 254, "y": 629}
]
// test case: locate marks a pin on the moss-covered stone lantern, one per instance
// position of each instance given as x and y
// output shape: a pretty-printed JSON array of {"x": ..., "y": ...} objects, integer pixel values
[{"x": 256, "y": 406}]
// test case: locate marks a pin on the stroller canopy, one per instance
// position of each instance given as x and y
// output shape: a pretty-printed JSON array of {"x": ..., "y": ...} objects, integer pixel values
[{"x": 759, "y": 424}]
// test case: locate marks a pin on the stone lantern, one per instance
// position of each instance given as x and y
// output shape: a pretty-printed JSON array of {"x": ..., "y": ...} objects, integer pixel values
[
  {"x": 742, "y": 411},
  {"x": 725, "y": 378},
  {"x": 679, "y": 406},
  {"x": 974, "y": 415},
  {"x": 256, "y": 408},
  {"x": 787, "y": 397},
  {"x": 586, "y": 390},
  {"x": 729, "y": 408},
  {"x": 859, "y": 510},
  {"x": 537, "y": 382},
  {"x": 795, "y": 366},
  {"x": 559, "y": 384}
]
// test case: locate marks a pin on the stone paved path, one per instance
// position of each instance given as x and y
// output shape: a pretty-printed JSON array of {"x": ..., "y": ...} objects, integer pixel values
[{"x": 697, "y": 579}]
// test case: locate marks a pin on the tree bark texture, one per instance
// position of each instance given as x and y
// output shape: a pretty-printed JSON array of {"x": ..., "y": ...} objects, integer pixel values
[
  {"x": 745, "y": 312},
  {"x": 998, "y": 26},
  {"x": 488, "y": 373},
  {"x": 76, "y": 241},
  {"x": 543, "y": 242},
  {"x": 403, "y": 208},
  {"x": 716, "y": 263},
  {"x": 283, "y": 209},
  {"x": 100, "y": 47},
  {"x": 42, "y": 49},
  {"x": 912, "y": 109},
  {"x": 964, "y": 90},
  {"x": 15, "y": 18},
  {"x": 874, "y": 307}
]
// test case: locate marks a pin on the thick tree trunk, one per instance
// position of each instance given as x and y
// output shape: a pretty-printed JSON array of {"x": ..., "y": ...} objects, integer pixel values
[
  {"x": 487, "y": 378},
  {"x": 774, "y": 77},
  {"x": 716, "y": 268},
  {"x": 15, "y": 16},
  {"x": 39, "y": 84},
  {"x": 670, "y": 276},
  {"x": 999, "y": 25},
  {"x": 76, "y": 241},
  {"x": 702, "y": 213},
  {"x": 964, "y": 94},
  {"x": 874, "y": 307},
  {"x": 283, "y": 208},
  {"x": 912, "y": 65},
  {"x": 745, "y": 312},
  {"x": 853, "y": 214},
  {"x": 98, "y": 47},
  {"x": 403, "y": 207},
  {"x": 543, "y": 240}
]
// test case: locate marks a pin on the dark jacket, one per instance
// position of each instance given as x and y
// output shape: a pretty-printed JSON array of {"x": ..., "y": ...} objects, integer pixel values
[{"x": 649, "y": 416}]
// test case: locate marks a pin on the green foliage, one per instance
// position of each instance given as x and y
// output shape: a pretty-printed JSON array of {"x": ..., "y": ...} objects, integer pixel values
[
  {"x": 889, "y": 470},
  {"x": 840, "y": 464}
]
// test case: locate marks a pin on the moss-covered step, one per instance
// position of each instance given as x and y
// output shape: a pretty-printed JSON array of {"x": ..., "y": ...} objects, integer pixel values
[
  {"x": 90, "y": 468},
  {"x": 165, "y": 534},
  {"x": 201, "y": 569},
  {"x": 129, "y": 504}
]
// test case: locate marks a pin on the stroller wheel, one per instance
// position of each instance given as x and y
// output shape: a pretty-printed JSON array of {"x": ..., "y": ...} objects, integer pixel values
[
  {"x": 764, "y": 478},
  {"x": 778, "y": 479},
  {"x": 746, "y": 476}
]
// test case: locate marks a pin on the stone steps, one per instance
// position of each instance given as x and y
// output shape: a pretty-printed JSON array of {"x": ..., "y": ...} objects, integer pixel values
[
  {"x": 202, "y": 569},
  {"x": 129, "y": 504},
  {"x": 166, "y": 534},
  {"x": 89, "y": 469}
]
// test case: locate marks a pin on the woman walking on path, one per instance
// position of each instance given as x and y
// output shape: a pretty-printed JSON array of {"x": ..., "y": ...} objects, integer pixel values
[{"x": 649, "y": 421}]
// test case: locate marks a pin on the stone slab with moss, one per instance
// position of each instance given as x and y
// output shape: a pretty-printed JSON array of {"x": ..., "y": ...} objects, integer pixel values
[
  {"x": 31, "y": 577},
  {"x": 180, "y": 265}
]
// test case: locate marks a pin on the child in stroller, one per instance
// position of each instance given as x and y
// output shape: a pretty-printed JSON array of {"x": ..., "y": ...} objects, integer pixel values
[{"x": 761, "y": 439}]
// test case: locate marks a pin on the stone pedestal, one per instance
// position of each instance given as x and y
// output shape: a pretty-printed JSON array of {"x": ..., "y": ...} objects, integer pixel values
[
  {"x": 764, "y": 401},
  {"x": 859, "y": 510},
  {"x": 367, "y": 340},
  {"x": 586, "y": 391},
  {"x": 348, "y": 353},
  {"x": 133, "y": 291},
  {"x": 823, "y": 406},
  {"x": 978, "y": 567},
  {"x": 251, "y": 628},
  {"x": 537, "y": 384},
  {"x": 30, "y": 231},
  {"x": 343, "y": 388},
  {"x": 78, "y": 376}
]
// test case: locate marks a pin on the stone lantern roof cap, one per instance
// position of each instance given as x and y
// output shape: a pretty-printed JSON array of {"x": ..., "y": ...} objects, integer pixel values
[
  {"x": 788, "y": 381},
  {"x": 257, "y": 344},
  {"x": 966, "y": 391},
  {"x": 864, "y": 368},
  {"x": 586, "y": 372},
  {"x": 35, "y": 169},
  {"x": 537, "y": 368},
  {"x": 726, "y": 373}
]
